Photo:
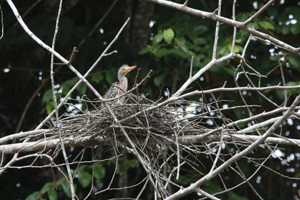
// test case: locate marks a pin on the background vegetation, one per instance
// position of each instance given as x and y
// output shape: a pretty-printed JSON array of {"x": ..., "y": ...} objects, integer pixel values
[{"x": 157, "y": 38}]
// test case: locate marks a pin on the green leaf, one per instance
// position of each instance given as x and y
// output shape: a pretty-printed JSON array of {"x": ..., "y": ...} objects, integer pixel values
[
  {"x": 280, "y": 93},
  {"x": 118, "y": 168},
  {"x": 234, "y": 196},
  {"x": 165, "y": 52},
  {"x": 252, "y": 25},
  {"x": 81, "y": 88},
  {"x": 49, "y": 107},
  {"x": 293, "y": 62},
  {"x": 200, "y": 41},
  {"x": 295, "y": 29},
  {"x": 235, "y": 48},
  {"x": 96, "y": 78},
  {"x": 66, "y": 188},
  {"x": 293, "y": 10},
  {"x": 158, "y": 38},
  {"x": 83, "y": 167},
  {"x": 294, "y": 91},
  {"x": 242, "y": 17},
  {"x": 47, "y": 187},
  {"x": 133, "y": 164},
  {"x": 99, "y": 172},
  {"x": 272, "y": 11},
  {"x": 185, "y": 47},
  {"x": 65, "y": 90},
  {"x": 168, "y": 35},
  {"x": 52, "y": 194},
  {"x": 286, "y": 29},
  {"x": 84, "y": 178},
  {"x": 182, "y": 181},
  {"x": 200, "y": 29},
  {"x": 110, "y": 76},
  {"x": 34, "y": 196},
  {"x": 47, "y": 96},
  {"x": 160, "y": 78},
  {"x": 145, "y": 50},
  {"x": 266, "y": 25}
]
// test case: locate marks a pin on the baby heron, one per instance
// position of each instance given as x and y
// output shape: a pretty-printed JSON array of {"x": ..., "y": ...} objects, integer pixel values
[{"x": 119, "y": 87}]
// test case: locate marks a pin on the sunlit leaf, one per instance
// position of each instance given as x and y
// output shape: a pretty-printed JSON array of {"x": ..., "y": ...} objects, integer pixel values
[
  {"x": 266, "y": 25},
  {"x": 168, "y": 35},
  {"x": 235, "y": 48}
]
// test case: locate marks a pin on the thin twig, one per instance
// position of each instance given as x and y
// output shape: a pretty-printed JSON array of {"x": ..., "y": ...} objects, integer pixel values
[
  {"x": 234, "y": 28},
  {"x": 191, "y": 67},
  {"x": 70, "y": 179},
  {"x": 283, "y": 79},
  {"x": 228, "y": 21},
  {"x": 28, "y": 10},
  {"x": 99, "y": 22},
  {"x": 207, "y": 194},
  {"x": 85, "y": 75},
  {"x": 2, "y": 24},
  {"x": 236, "y": 157},
  {"x": 217, "y": 31},
  {"x": 259, "y": 12}
]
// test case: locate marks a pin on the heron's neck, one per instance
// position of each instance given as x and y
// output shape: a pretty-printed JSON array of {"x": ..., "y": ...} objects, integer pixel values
[{"x": 124, "y": 83}]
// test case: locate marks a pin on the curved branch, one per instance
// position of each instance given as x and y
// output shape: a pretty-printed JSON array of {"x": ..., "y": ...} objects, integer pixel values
[
  {"x": 240, "y": 25},
  {"x": 90, "y": 141}
]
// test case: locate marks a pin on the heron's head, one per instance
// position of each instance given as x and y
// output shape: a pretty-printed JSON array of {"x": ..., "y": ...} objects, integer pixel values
[{"x": 124, "y": 70}]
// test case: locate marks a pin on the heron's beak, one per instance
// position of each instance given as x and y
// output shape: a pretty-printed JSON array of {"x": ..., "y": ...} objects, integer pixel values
[{"x": 128, "y": 69}]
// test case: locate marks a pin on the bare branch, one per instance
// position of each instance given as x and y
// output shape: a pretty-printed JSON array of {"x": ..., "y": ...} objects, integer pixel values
[
  {"x": 2, "y": 24},
  {"x": 224, "y": 20},
  {"x": 217, "y": 31},
  {"x": 270, "y": 2},
  {"x": 233, "y": 159},
  {"x": 70, "y": 179},
  {"x": 85, "y": 75},
  {"x": 99, "y": 22}
]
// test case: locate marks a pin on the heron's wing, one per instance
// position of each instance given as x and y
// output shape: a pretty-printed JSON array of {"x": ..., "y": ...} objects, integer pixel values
[{"x": 113, "y": 91}]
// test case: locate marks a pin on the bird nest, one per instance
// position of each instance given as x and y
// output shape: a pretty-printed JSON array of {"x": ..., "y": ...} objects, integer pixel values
[
  {"x": 141, "y": 119},
  {"x": 147, "y": 129}
]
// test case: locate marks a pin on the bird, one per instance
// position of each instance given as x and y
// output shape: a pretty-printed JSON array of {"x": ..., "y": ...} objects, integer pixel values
[{"x": 120, "y": 87}]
